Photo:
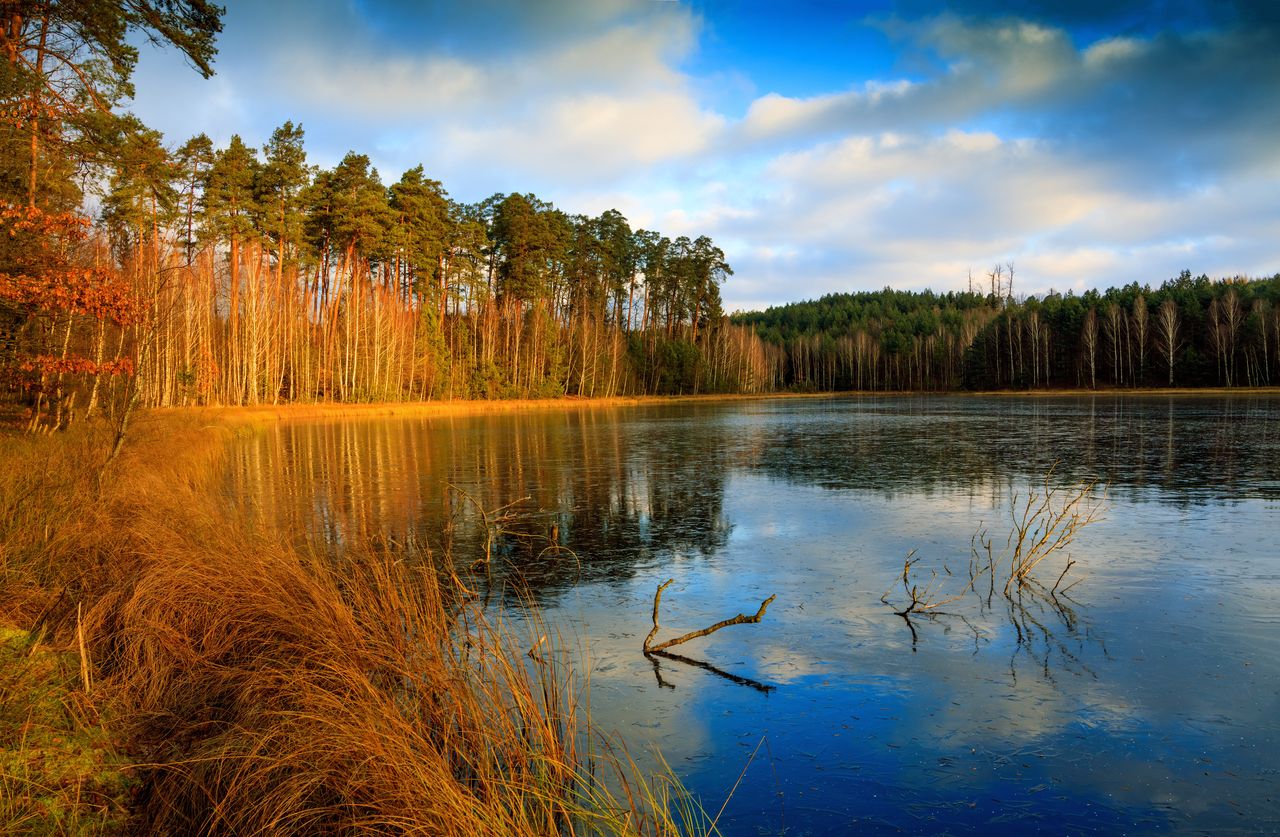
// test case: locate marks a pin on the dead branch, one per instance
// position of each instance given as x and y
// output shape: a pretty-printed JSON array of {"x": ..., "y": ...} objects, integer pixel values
[
  {"x": 920, "y": 600},
  {"x": 1046, "y": 526},
  {"x": 1044, "y": 522},
  {"x": 495, "y": 522},
  {"x": 740, "y": 619}
]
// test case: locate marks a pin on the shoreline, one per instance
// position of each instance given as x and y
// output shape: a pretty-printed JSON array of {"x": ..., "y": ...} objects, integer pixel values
[
  {"x": 262, "y": 414},
  {"x": 265, "y": 414},
  {"x": 268, "y": 414}
]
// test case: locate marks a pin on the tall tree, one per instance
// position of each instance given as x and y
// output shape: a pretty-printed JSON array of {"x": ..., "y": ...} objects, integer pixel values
[
  {"x": 421, "y": 235},
  {"x": 1140, "y": 323},
  {"x": 1089, "y": 345},
  {"x": 141, "y": 197},
  {"x": 277, "y": 192},
  {"x": 707, "y": 271},
  {"x": 519, "y": 236},
  {"x": 192, "y": 160},
  {"x": 68, "y": 64}
]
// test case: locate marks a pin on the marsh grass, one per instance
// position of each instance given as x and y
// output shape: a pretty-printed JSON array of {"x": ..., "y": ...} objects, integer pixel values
[{"x": 259, "y": 688}]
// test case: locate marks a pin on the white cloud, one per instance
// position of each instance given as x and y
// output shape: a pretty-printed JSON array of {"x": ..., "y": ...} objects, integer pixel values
[
  {"x": 915, "y": 212},
  {"x": 1106, "y": 53},
  {"x": 597, "y": 98}
]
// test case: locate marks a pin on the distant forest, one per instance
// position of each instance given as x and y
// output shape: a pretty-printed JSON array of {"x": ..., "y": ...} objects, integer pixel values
[
  {"x": 1189, "y": 332},
  {"x": 239, "y": 276}
]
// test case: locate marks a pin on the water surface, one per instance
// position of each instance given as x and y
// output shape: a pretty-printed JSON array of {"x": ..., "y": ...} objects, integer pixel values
[{"x": 1147, "y": 701}]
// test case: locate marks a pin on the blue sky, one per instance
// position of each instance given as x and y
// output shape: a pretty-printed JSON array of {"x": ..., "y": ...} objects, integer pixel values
[{"x": 825, "y": 146}]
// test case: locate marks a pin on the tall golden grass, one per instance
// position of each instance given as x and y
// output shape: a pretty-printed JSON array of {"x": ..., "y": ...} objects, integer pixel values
[{"x": 258, "y": 688}]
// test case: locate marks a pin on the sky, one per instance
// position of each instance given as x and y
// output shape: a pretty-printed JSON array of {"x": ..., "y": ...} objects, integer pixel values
[{"x": 824, "y": 146}]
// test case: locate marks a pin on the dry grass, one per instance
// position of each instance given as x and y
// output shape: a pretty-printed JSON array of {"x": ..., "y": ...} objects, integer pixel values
[
  {"x": 272, "y": 413},
  {"x": 258, "y": 688}
]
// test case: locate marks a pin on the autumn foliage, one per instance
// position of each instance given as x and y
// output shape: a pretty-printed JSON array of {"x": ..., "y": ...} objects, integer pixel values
[{"x": 60, "y": 309}]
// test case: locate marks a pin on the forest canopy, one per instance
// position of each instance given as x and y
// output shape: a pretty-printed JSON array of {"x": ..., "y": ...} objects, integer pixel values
[{"x": 1188, "y": 331}]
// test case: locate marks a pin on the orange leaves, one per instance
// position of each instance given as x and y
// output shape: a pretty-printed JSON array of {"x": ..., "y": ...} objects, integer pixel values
[
  {"x": 50, "y": 365},
  {"x": 44, "y": 227},
  {"x": 46, "y": 280},
  {"x": 95, "y": 291}
]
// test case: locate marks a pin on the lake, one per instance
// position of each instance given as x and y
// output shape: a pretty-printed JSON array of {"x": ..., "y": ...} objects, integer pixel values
[{"x": 1145, "y": 699}]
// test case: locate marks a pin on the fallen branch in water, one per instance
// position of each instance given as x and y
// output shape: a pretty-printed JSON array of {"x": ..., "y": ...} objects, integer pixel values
[
  {"x": 920, "y": 600},
  {"x": 740, "y": 619}
]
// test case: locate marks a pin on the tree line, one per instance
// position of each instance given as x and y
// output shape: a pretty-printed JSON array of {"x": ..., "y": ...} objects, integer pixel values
[
  {"x": 279, "y": 281},
  {"x": 1188, "y": 332},
  {"x": 244, "y": 275}
]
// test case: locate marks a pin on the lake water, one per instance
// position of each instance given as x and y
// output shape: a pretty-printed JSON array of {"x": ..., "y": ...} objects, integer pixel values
[{"x": 1146, "y": 701}]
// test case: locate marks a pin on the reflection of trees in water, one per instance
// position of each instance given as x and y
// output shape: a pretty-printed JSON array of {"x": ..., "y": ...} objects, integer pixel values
[
  {"x": 1192, "y": 448},
  {"x": 612, "y": 495}
]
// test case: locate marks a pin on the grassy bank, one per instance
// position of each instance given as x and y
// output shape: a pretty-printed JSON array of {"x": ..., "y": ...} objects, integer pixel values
[
  {"x": 172, "y": 669},
  {"x": 265, "y": 414}
]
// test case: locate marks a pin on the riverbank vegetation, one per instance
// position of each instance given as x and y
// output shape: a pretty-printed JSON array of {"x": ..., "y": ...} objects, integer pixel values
[{"x": 171, "y": 667}]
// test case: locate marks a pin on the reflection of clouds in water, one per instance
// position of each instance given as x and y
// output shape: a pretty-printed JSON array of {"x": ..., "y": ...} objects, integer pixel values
[
  {"x": 985, "y": 706},
  {"x": 604, "y": 634}
]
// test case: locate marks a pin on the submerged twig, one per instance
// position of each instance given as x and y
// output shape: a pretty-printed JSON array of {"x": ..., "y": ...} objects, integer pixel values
[{"x": 921, "y": 600}]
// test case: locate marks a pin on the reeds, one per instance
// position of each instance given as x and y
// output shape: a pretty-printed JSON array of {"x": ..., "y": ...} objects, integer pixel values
[{"x": 262, "y": 689}]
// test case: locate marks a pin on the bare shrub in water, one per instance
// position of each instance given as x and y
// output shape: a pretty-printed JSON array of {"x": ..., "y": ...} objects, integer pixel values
[{"x": 1044, "y": 522}]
